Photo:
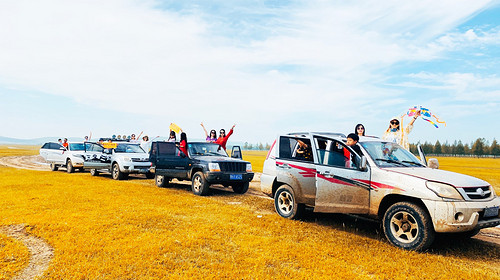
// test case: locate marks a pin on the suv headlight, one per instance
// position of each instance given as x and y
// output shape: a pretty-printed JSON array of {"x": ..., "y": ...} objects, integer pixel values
[
  {"x": 249, "y": 167},
  {"x": 127, "y": 159},
  {"x": 444, "y": 190},
  {"x": 213, "y": 167}
]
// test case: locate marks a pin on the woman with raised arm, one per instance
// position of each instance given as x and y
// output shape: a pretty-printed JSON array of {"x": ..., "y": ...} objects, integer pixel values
[
  {"x": 213, "y": 134},
  {"x": 397, "y": 135},
  {"x": 222, "y": 140}
]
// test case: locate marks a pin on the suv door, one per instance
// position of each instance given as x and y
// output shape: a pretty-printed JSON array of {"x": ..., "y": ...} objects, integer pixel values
[
  {"x": 169, "y": 161},
  {"x": 295, "y": 167},
  {"x": 95, "y": 158},
  {"x": 340, "y": 186}
]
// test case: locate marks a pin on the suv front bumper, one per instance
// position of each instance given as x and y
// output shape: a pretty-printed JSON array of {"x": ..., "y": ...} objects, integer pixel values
[
  {"x": 221, "y": 178},
  {"x": 460, "y": 216},
  {"x": 137, "y": 168}
]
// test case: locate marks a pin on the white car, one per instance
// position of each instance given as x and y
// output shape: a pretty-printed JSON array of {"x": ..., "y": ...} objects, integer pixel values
[
  {"x": 124, "y": 158},
  {"x": 385, "y": 182},
  {"x": 71, "y": 157}
]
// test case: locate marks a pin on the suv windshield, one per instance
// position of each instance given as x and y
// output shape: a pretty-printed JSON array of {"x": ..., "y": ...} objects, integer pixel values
[
  {"x": 206, "y": 149},
  {"x": 390, "y": 155},
  {"x": 76, "y": 147},
  {"x": 128, "y": 148}
]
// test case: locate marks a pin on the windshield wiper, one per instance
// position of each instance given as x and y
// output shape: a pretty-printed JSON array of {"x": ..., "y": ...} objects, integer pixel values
[
  {"x": 414, "y": 163},
  {"x": 392, "y": 161}
]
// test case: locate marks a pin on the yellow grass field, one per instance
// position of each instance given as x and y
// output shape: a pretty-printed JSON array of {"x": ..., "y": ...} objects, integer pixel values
[
  {"x": 14, "y": 257},
  {"x": 105, "y": 229}
]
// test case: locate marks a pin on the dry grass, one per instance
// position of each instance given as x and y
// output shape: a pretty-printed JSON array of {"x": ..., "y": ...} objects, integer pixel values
[
  {"x": 14, "y": 257},
  {"x": 106, "y": 229},
  {"x": 256, "y": 158},
  {"x": 18, "y": 150}
]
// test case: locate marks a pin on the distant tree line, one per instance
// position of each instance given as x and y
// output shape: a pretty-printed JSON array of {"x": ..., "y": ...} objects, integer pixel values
[
  {"x": 478, "y": 148},
  {"x": 258, "y": 146}
]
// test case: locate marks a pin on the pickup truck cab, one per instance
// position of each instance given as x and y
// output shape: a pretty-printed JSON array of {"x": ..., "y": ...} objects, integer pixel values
[
  {"x": 124, "y": 158},
  {"x": 72, "y": 157},
  {"x": 207, "y": 164},
  {"x": 385, "y": 182}
]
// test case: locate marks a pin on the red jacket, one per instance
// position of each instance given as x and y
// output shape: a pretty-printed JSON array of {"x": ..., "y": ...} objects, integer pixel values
[
  {"x": 223, "y": 140},
  {"x": 183, "y": 147}
]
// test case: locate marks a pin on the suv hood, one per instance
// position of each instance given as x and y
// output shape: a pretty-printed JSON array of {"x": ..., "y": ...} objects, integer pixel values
[
  {"x": 443, "y": 176},
  {"x": 217, "y": 159}
]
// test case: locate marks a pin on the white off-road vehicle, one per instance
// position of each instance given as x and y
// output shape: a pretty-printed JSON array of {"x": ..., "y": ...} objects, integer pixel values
[
  {"x": 385, "y": 182},
  {"x": 124, "y": 158},
  {"x": 71, "y": 157}
]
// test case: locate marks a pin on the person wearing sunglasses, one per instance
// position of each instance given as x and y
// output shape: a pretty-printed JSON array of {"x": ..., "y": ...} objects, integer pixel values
[
  {"x": 397, "y": 135},
  {"x": 213, "y": 134},
  {"x": 222, "y": 140},
  {"x": 359, "y": 130}
]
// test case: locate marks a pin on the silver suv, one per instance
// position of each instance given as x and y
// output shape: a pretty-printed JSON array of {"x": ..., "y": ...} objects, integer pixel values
[
  {"x": 124, "y": 158},
  {"x": 385, "y": 182},
  {"x": 72, "y": 157}
]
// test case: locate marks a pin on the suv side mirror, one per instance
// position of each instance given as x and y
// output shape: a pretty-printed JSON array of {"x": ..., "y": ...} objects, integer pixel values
[
  {"x": 236, "y": 152},
  {"x": 421, "y": 153},
  {"x": 107, "y": 151},
  {"x": 433, "y": 163},
  {"x": 362, "y": 164}
]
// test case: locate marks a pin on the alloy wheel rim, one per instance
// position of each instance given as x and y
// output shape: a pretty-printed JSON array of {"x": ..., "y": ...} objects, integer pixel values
[
  {"x": 285, "y": 202},
  {"x": 404, "y": 227}
]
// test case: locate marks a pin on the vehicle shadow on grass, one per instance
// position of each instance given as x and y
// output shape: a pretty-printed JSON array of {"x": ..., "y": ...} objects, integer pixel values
[{"x": 444, "y": 244}]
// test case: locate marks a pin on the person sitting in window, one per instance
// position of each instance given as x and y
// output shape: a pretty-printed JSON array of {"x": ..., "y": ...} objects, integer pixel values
[{"x": 304, "y": 151}]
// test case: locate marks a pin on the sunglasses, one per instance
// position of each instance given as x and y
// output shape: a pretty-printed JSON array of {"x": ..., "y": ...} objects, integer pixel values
[
  {"x": 361, "y": 128},
  {"x": 394, "y": 122}
]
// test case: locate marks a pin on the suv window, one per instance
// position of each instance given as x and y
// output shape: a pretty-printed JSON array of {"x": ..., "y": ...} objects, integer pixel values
[
  {"x": 334, "y": 153},
  {"x": 54, "y": 146},
  {"x": 296, "y": 148},
  {"x": 166, "y": 149}
]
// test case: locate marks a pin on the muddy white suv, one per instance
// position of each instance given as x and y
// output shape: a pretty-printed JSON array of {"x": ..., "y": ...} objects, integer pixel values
[{"x": 386, "y": 182}]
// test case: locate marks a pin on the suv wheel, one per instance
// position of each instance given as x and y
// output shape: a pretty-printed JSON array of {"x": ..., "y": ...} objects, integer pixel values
[
  {"x": 286, "y": 205},
  {"x": 408, "y": 226},
  {"x": 116, "y": 173},
  {"x": 69, "y": 166},
  {"x": 53, "y": 167},
  {"x": 241, "y": 188},
  {"x": 161, "y": 181},
  {"x": 94, "y": 172},
  {"x": 199, "y": 184}
]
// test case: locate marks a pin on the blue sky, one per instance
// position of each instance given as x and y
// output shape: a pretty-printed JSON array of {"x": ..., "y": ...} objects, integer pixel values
[{"x": 126, "y": 66}]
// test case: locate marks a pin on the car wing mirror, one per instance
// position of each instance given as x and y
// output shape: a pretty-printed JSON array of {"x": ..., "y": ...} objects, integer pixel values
[
  {"x": 421, "y": 153},
  {"x": 362, "y": 164},
  {"x": 236, "y": 152},
  {"x": 107, "y": 151},
  {"x": 433, "y": 163}
]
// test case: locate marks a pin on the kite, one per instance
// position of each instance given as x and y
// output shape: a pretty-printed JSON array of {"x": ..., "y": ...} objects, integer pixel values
[{"x": 425, "y": 114}]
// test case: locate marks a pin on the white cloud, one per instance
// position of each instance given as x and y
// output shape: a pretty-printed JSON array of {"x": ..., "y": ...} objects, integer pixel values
[{"x": 121, "y": 54}]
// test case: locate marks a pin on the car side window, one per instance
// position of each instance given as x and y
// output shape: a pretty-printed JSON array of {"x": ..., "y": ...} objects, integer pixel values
[
  {"x": 167, "y": 149},
  {"x": 54, "y": 146},
  {"x": 296, "y": 149},
  {"x": 334, "y": 153}
]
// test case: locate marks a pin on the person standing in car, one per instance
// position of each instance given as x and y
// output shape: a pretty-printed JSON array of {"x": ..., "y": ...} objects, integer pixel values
[{"x": 222, "y": 140}]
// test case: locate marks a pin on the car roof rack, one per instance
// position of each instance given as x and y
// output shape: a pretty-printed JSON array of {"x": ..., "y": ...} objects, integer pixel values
[{"x": 331, "y": 134}]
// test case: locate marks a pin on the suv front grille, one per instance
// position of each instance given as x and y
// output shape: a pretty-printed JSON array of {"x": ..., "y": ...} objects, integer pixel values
[
  {"x": 232, "y": 166},
  {"x": 477, "y": 193},
  {"x": 140, "y": 159}
]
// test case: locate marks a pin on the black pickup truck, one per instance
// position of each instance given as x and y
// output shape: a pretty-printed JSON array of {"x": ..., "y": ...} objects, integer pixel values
[{"x": 207, "y": 164}]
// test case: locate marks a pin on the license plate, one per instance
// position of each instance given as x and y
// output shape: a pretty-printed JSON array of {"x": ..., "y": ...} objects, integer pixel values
[
  {"x": 491, "y": 212},
  {"x": 235, "y": 177}
]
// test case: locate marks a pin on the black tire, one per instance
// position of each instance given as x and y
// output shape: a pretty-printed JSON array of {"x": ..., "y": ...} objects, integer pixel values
[
  {"x": 116, "y": 172},
  {"x": 199, "y": 184},
  {"x": 161, "y": 181},
  {"x": 54, "y": 167},
  {"x": 408, "y": 226},
  {"x": 150, "y": 175},
  {"x": 241, "y": 188},
  {"x": 285, "y": 203},
  {"x": 94, "y": 172},
  {"x": 69, "y": 166}
]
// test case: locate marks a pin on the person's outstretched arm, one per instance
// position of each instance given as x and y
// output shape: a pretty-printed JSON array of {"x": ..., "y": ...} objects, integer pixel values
[{"x": 206, "y": 133}]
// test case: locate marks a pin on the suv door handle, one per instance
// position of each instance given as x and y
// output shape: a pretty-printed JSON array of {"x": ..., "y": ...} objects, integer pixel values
[
  {"x": 285, "y": 166},
  {"x": 326, "y": 174}
]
